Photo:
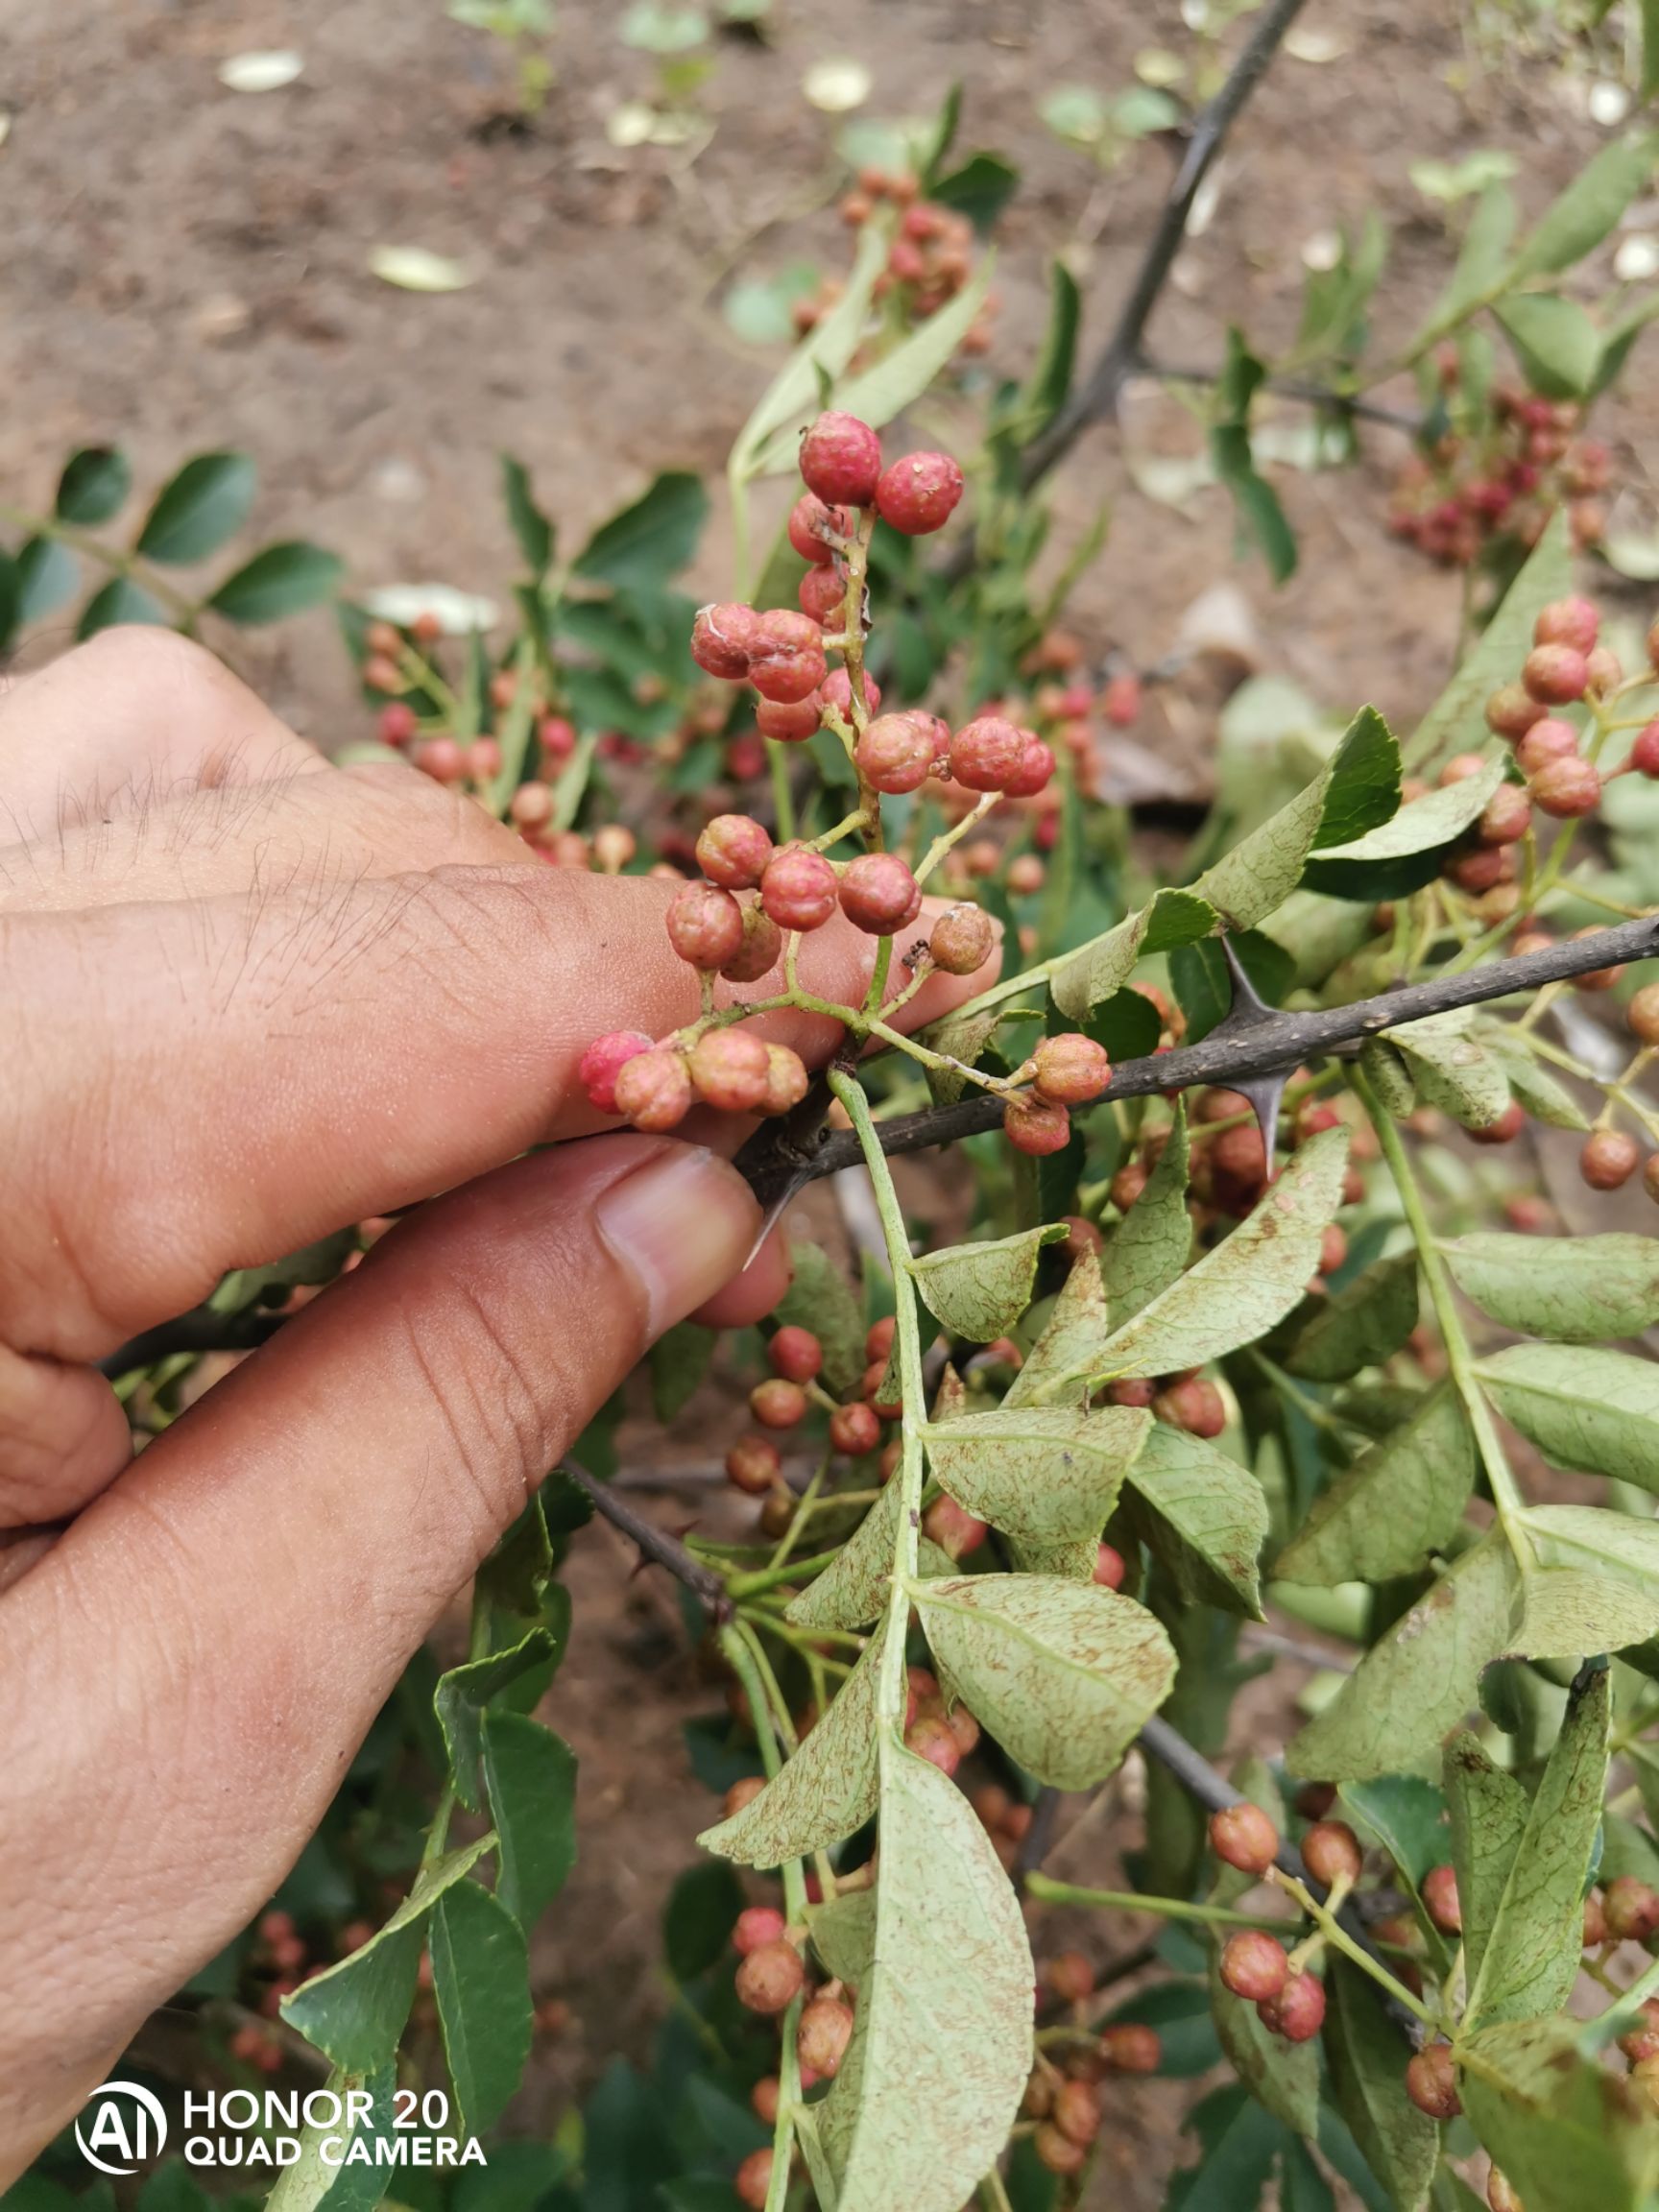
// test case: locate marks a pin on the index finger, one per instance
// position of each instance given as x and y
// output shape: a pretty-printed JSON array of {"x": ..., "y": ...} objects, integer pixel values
[{"x": 207, "y": 1084}]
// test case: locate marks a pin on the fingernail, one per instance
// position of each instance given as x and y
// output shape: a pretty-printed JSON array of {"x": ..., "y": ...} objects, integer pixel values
[{"x": 682, "y": 1225}]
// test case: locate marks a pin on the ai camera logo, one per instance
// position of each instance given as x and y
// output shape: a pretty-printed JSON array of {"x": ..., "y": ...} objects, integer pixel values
[{"x": 121, "y": 2126}]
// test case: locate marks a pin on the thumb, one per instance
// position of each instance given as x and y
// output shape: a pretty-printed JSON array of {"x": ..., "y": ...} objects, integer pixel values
[{"x": 195, "y": 1663}]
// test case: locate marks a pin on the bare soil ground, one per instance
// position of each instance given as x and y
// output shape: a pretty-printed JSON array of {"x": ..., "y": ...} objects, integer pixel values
[{"x": 187, "y": 267}]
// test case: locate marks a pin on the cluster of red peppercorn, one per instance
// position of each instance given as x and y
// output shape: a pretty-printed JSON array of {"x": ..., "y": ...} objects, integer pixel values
[
  {"x": 1063, "y": 2095},
  {"x": 928, "y": 262},
  {"x": 771, "y": 1974},
  {"x": 1451, "y": 502}
]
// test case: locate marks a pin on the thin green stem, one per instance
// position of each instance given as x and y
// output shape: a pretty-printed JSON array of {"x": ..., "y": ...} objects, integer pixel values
[
  {"x": 789, "y": 2103},
  {"x": 802, "y": 1515},
  {"x": 741, "y": 1649},
  {"x": 110, "y": 557},
  {"x": 992, "y": 2194},
  {"x": 1506, "y": 1495},
  {"x": 1048, "y": 1891},
  {"x": 759, "y": 1579},
  {"x": 910, "y": 1474},
  {"x": 1339, "y": 1939}
]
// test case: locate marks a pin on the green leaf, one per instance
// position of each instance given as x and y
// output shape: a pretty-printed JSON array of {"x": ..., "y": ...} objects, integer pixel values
[
  {"x": 1254, "y": 499},
  {"x": 1407, "y": 1817},
  {"x": 1419, "y": 1679},
  {"x": 1043, "y": 1475},
  {"x": 979, "y": 189},
  {"x": 844, "y": 1935},
  {"x": 1072, "y": 1336},
  {"x": 931, "y": 2084},
  {"x": 1482, "y": 261},
  {"x": 792, "y": 398},
  {"x": 462, "y": 1694},
  {"x": 355, "y": 2013},
  {"x": 1649, "y": 83},
  {"x": 1554, "y": 341},
  {"x": 641, "y": 548},
  {"x": 1566, "y": 2134},
  {"x": 1599, "y": 1588},
  {"x": 1367, "y": 2056},
  {"x": 337, "y": 2181},
  {"x": 677, "y": 1362},
  {"x": 1097, "y": 969},
  {"x": 853, "y": 1588},
  {"x": 1249, "y": 1282},
  {"x": 282, "y": 580},
  {"x": 1595, "y": 1412},
  {"x": 120, "y": 600},
  {"x": 530, "y": 525},
  {"x": 818, "y": 1298},
  {"x": 1386, "y": 1072},
  {"x": 1572, "y": 1289},
  {"x": 899, "y": 379},
  {"x": 1062, "y": 1674},
  {"x": 47, "y": 575},
  {"x": 1531, "y": 1959},
  {"x": 530, "y": 1774},
  {"x": 1363, "y": 1325},
  {"x": 1204, "y": 1517},
  {"x": 1544, "y": 1097},
  {"x": 205, "y": 503},
  {"x": 1282, "y": 2076},
  {"x": 93, "y": 486},
  {"x": 481, "y": 1978},
  {"x": 1576, "y": 222},
  {"x": 822, "y": 1793},
  {"x": 1358, "y": 790},
  {"x": 1050, "y": 382},
  {"x": 697, "y": 1919},
  {"x": 1402, "y": 854},
  {"x": 1488, "y": 1813},
  {"x": 1399, "y": 1504},
  {"x": 1455, "y": 723},
  {"x": 980, "y": 1290},
  {"x": 1153, "y": 1242},
  {"x": 1241, "y": 2143},
  {"x": 1452, "y": 1069}
]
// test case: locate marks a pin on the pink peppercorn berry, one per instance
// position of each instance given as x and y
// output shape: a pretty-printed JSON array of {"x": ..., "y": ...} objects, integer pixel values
[
  {"x": 798, "y": 888},
  {"x": 705, "y": 925},
  {"x": 603, "y": 1061},
  {"x": 811, "y": 522},
  {"x": 790, "y": 721},
  {"x": 734, "y": 851},
  {"x": 723, "y": 639},
  {"x": 653, "y": 1089},
  {"x": 895, "y": 753},
  {"x": 841, "y": 459},
  {"x": 729, "y": 1070},
  {"x": 962, "y": 940},
  {"x": 795, "y": 1354},
  {"x": 917, "y": 494},
  {"x": 1071, "y": 1070},
  {"x": 1297, "y": 2013},
  {"x": 986, "y": 753},
  {"x": 1035, "y": 1125},
  {"x": 879, "y": 894}
]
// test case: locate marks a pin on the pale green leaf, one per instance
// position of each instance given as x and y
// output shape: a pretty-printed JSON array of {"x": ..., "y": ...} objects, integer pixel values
[
  {"x": 481, "y": 1978},
  {"x": 1488, "y": 1813},
  {"x": 1599, "y": 1588},
  {"x": 1367, "y": 2056},
  {"x": 1531, "y": 1958},
  {"x": 417, "y": 269},
  {"x": 1249, "y": 1282},
  {"x": 354, "y": 2013},
  {"x": 1400, "y": 1503},
  {"x": 1580, "y": 217},
  {"x": 531, "y": 1777},
  {"x": 1545, "y": 1098},
  {"x": 1041, "y": 1473},
  {"x": 1204, "y": 1515},
  {"x": 843, "y": 1935},
  {"x": 1452, "y": 1069},
  {"x": 896, "y": 380},
  {"x": 1572, "y": 1289},
  {"x": 1062, "y": 1673},
  {"x": 853, "y": 1588},
  {"x": 980, "y": 1290},
  {"x": 1481, "y": 262},
  {"x": 1389, "y": 1076},
  {"x": 1363, "y": 1325},
  {"x": 792, "y": 396},
  {"x": 1596, "y": 1412},
  {"x": 824, "y": 1791},
  {"x": 1422, "y": 825},
  {"x": 1455, "y": 723},
  {"x": 1106, "y": 962},
  {"x": 929, "y": 2089},
  {"x": 1419, "y": 1680},
  {"x": 1569, "y": 2135},
  {"x": 1074, "y": 1333},
  {"x": 1072, "y": 1560},
  {"x": 1357, "y": 791},
  {"x": 962, "y": 1038},
  {"x": 1555, "y": 340},
  {"x": 1153, "y": 1242}
]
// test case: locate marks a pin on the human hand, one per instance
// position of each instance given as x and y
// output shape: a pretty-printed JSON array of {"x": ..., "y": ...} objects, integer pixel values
[{"x": 250, "y": 997}]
